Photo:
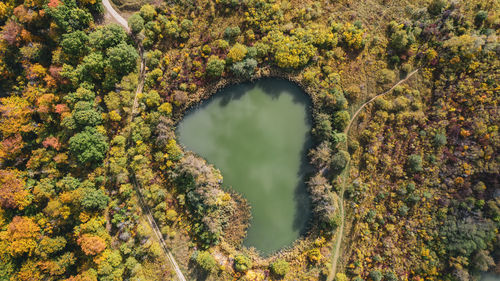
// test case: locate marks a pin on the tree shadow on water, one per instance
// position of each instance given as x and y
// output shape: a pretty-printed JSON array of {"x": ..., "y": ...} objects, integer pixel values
[{"x": 301, "y": 195}]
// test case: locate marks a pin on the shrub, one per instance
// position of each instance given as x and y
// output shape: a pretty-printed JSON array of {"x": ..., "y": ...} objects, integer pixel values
[
  {"x": 206, "y": 261},
  {"x": 280, "y": 267},
  {"x": 242, "y": 263},
  {"x": 215, "y": 66}
]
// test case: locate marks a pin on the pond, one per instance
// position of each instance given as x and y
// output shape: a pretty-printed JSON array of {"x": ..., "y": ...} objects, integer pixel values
[{"x": 258, "y": 135}]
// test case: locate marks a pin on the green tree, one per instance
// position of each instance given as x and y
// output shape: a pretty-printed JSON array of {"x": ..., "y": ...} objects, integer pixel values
[
  {"x": 147, "y": 12},
  {"x": 206, "y": 261},
  {"x": 94, "y": 199},
  {"x": 92, "y": 68},
  {"x": 136, "y": 23},
  {"x": 375, "y": 275},
  {"x": 215, "y": 66},
  {"x": 341, "y": 119},
  {"x": 107, "y": 36},
  {"x": 69, "y": 18},
  {"x": 75, "y": 44},
  {"x": 415, "y": 163},
  {"x": 89, "y": 146},
  {"x": 244, "y": 69},
  {"x": 122, "y": 58},
  {"x": 339, "y": 160},
  {"x": 323, "y": 127},
  {"x": 84, "y": 115}
]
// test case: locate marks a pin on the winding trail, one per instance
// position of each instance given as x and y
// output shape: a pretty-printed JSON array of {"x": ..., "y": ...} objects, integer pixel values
[
  {"x": 345, "y": 175},
  {"x": 115, "y": 15},
  {"x": 140, "y": 85}
]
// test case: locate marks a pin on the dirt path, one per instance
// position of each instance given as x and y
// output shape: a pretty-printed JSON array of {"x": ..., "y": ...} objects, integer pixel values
[
  {"x": 115, "y": 15},
  {"x": 345, "y": 176},
  {"x": 146, "y": 211}
]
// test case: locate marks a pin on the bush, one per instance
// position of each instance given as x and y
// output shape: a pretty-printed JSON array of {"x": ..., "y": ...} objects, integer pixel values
[
  {"x": 390, "y": 276},
  {"x": 280, "y": 267},
  {"x": 206, "y": 261},
  {"x": 242, "y": 263},
  {"x": 215, "y": 66}
]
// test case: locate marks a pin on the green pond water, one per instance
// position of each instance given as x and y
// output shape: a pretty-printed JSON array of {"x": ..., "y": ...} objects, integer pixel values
[{"x": 258, "y": 135}]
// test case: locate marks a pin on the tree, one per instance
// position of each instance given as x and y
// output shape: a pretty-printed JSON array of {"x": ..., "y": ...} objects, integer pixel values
[
  {"x": 89, "y": 146},
  {"x": 242, "y": 263},
  {"x": 375, "y": 275},
  {"x": 92, "y": 68},
  {"x": 280, "y": 267},
  {"x": 321, "y": 155},
  {"x": 244, "y": 69},
  {"x": 436, "y": 6},
  {"x": 48, "y": 246},
  {"x": 206, "y": 261},
  {"x": 323, "y": 127},
  {"x": 12, "y": 191},
  {"x": 91, "y": 244},
  {"x": 215, "y": 66},
  {"x": 414, "y": 163},
  {"x": 341, "y": 119},
  {"x": 107, "y": 36},
  {"x": 94, "y": 199},
  {"x": 230, "y": 33},
  {"x": 16, "y": 115},
  {"x": 85, "y": 115},
  {"x": 439, "y": 139},
  {"x": 147, "y": 12},
  {"x": 399, "y": 41},
  {"x": 75, "y": 44},
  {"x": 70, "y": 18},
  {"x": 122, "y": 58},
  {"x": 22, "y": 235},
  {"x": 136, "y": 23},
  {"x": 339, "y": 160},
  {"x": 237, "y": 53}
]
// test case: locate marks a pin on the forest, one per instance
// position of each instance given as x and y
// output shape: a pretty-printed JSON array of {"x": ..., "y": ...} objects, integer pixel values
[{"x": 94, "y": 184}]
